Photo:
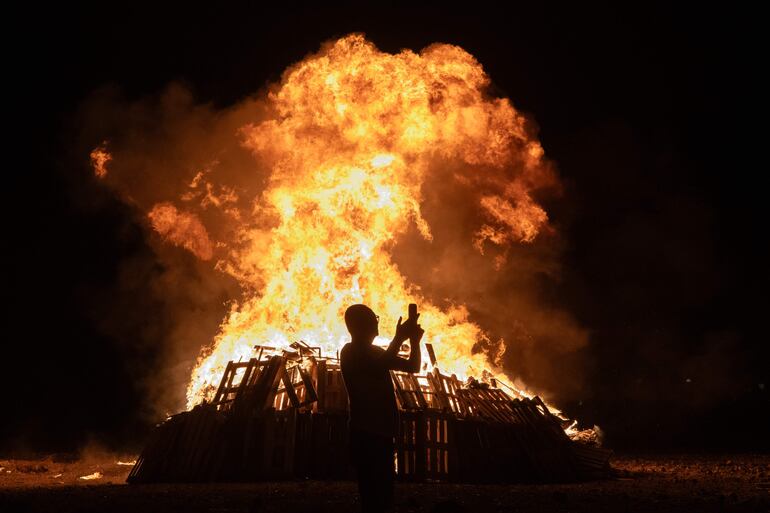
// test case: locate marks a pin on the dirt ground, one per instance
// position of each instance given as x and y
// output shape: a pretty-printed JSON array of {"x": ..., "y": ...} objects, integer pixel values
[{"x": 730, "y": 483}]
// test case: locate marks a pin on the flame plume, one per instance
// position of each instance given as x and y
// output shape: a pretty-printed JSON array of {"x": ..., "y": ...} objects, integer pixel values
[
  {"x": 350, "y": 136},
  {"x": 343, "y": 147}
]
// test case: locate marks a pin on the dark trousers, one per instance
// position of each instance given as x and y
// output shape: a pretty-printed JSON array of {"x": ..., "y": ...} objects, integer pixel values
[{"x": 372, "y": 455}]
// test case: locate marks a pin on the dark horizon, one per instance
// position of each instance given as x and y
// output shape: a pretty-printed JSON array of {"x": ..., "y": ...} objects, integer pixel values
[{"x": 650, "y": 118}]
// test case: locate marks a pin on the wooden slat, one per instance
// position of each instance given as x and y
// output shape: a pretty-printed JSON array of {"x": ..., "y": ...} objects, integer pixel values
[
  {"x": 320, "y": 376},
  {"x": 310, "y": 393},
  {"x": 223, "y": 384},
  {"x": 289, "y": 387},
  {"x": 431, "y": 354}
]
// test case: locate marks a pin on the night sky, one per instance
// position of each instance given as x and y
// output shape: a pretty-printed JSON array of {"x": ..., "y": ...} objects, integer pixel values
[{"x": 652, "y": 117}]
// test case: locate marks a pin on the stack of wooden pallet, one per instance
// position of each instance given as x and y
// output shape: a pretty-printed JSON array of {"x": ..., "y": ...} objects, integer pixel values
[
  {"x": 285, "y": 416},
  {"x": 453, "y": 432}
]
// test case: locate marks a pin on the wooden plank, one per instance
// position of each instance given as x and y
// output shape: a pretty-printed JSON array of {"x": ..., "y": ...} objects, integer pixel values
[
  {"x": 450, "y": 386},
  {"x": 225, "y": 377},
  {"x": 259, "y": 368},
  {"x": 481, "y": 407},
  {"x": 197, "y": 461},
  {"x": 439, "y": 396},
  {"x": 289, "y": 387},
  {"x": 186, "y": 444},
  {"x": 431, "y": 354},
  {"x": 243, "y": 384},
  {"x": 439, "y": 452},
  {"x": 310, "y": 393},
  {"x": 410, "y": 447},
  {"x": 409, "y": 391},
  {"x": 261, "y": 396},
  {"x": 336, "y": 395},
  {"x": 320, "y": 373}
]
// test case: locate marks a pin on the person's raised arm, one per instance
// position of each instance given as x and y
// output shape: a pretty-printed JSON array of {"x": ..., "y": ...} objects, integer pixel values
[
  {"x": 402, "y": 333},
  {"x": 395, "y": 362}
]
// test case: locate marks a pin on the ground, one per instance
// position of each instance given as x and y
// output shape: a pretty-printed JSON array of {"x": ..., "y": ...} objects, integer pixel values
[{"x": 660, "y": 484}]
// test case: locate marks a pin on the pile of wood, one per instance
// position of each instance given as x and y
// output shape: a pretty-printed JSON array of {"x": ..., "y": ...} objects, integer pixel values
[{"x": 285, "y": 416}]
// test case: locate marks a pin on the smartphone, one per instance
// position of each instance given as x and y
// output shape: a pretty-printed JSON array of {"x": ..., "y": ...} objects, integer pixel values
[{"x": 412, "y": 311}]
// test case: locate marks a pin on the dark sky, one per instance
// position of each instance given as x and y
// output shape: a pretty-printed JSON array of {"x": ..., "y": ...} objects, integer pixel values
[{"x": 653, "y": 117}]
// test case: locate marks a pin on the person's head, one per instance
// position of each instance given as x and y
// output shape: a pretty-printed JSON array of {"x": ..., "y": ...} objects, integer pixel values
[{"x": 362, "y": 323}]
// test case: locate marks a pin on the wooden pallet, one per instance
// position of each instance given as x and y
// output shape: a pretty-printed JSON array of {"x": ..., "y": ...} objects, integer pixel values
[
  {"x": 286, "y": 416},
  {"x": 426, "y": 447},
  {"x": 331, "y": 393}
]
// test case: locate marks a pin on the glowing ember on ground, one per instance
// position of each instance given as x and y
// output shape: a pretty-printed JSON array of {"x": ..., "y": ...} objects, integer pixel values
[
  {"x": 89, "y": 477},
  {"x": 127, "y": 463}
]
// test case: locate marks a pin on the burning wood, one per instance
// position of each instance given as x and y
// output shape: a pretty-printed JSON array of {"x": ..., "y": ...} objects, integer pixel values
[
  {"x": 347, "y": 149},
  {"x": 285, "y": 415}
]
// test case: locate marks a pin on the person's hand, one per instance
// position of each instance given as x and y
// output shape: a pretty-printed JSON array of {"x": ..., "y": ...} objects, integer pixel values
[
  {"x": 416, "y": 335},
  {"x": 403, "y": 331}
]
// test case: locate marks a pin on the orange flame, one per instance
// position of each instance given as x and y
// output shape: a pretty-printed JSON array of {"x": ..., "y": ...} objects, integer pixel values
[
  {"x": 99, "y": 158},
  {"x": 350, "y": 136},
  {"x": 181, "y": 229}
]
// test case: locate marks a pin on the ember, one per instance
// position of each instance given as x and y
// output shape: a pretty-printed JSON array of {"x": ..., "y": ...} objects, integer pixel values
[{"x": 90, "y": 477}]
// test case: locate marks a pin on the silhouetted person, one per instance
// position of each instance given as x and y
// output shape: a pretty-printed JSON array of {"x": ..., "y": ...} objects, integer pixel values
[{"x": 373, "y": 412}]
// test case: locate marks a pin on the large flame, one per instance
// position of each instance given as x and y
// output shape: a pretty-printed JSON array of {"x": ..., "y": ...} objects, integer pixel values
[
  {"x": 343, "y": 148},
  {"x": 350, "y": 136}
]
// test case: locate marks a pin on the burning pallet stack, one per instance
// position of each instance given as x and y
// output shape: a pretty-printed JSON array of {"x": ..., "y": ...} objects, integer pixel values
[{"x": 285, "y": 416}]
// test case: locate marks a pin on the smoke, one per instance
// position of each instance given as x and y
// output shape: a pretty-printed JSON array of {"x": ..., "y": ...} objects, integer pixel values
[
  {"x": 167, "y": 301},
  {"x": 185, "y": 171},
  {"x": 506, "y": 288}
]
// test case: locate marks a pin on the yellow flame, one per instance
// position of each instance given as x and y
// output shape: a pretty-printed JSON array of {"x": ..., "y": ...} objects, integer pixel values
[{"x": 351, "y": 135}]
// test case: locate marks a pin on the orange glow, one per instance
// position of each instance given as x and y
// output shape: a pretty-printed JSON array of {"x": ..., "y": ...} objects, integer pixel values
[
  {"x": 350, "y": 136},
  {"x": 181, "y": 229},
  {"x": 99, "y": 158}
]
